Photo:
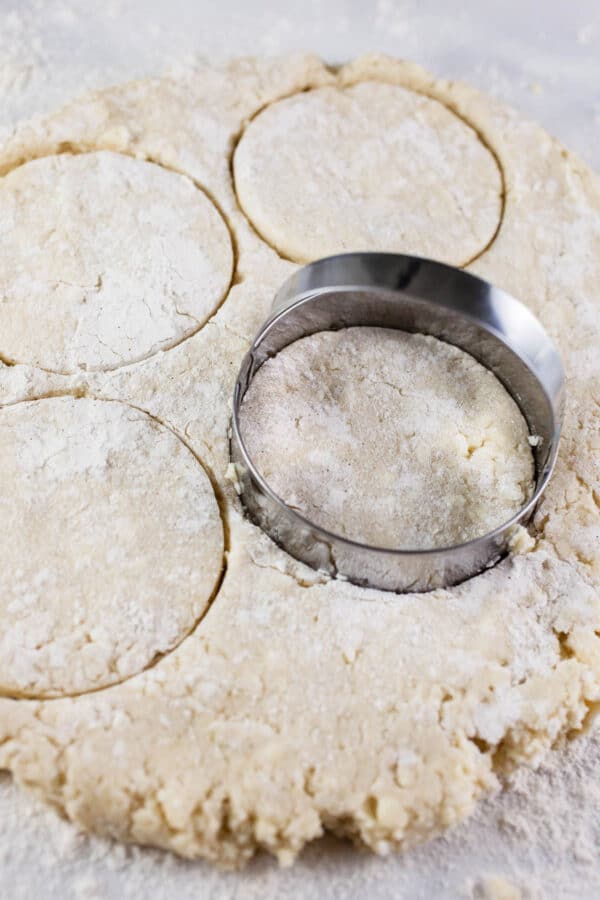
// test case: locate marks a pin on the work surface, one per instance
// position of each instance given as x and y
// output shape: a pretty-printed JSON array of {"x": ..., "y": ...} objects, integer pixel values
[{"x": 540, "y": 838}]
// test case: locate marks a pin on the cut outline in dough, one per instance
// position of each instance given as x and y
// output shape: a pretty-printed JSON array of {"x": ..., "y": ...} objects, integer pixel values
[
  {"x": 68, "y": 149},
  {"x": 81, "y": 394},
  {"x": 341, "y": 87}
]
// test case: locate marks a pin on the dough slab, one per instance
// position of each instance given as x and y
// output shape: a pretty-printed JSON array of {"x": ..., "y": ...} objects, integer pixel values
[{"x": 299, "y": 704}]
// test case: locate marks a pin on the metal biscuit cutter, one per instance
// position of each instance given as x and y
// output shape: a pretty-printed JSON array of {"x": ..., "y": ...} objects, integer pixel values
[{"x": 415, "y": 295}]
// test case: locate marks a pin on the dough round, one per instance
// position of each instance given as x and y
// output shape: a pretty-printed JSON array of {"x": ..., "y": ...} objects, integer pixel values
[
  {"x": 112, "y": 541},
  {"x": 392, "y": 439},
  {"x": 370, "y": 167},
  {"x": 105, "y": 260}
]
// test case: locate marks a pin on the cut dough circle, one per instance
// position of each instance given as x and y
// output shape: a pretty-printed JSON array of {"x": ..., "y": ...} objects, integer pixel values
[
  {"x": 113, "y": 540},
  {"x": 393, "y": 439},
  {"x": 105, "y": 260},
  {"x": 308, "y": 174}
]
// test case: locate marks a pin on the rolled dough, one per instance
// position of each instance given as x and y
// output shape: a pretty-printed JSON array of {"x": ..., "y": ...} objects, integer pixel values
[
  {"x": 299, "y": 704},
  {"x": 113, "y": 258},
  {"x": 388, "y": 438}
]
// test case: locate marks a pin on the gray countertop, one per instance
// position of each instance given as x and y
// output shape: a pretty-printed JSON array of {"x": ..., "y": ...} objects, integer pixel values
[{"x": 544, "y": 58}]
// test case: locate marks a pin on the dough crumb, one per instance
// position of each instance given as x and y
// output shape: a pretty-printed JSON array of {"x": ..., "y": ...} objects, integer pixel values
[
  {"x": 232, "y": 476},
  {"x": 498, "y": 888},
  {"x": 521, "y": 541}
]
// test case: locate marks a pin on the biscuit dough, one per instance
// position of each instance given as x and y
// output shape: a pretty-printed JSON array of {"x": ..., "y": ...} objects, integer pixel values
[
  {"x": 388, "y": 438},
  {"x": 112, "y": 543},
  {"x": 299, "y": 704},
  {"x": 113, "y": 259},
  {"x": 371, "y": 167}
]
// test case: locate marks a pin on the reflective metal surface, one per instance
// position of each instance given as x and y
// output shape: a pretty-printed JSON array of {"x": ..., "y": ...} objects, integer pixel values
[{"x": 415, "y": 295}]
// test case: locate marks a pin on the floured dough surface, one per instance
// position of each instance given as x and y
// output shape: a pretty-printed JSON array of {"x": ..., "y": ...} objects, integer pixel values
[
  {"x": 105, "y": 260},
  {"x": 369, "y": 167},
  {"x": 388, "y": 438},
  {"x": 112, "y": 544},
  {"x": 297, "y": 703}
]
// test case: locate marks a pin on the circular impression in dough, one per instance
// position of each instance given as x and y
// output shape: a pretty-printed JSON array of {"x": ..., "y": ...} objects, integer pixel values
[
  {"x": 113, "y": 540},
  {"x": 105, "y": 260},
  {"x": 308, "y": 174},
  {"x": 392, "y": 439}
]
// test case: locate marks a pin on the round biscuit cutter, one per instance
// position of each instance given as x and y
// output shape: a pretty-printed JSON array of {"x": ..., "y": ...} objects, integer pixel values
[{"x": 415, "y": 295}]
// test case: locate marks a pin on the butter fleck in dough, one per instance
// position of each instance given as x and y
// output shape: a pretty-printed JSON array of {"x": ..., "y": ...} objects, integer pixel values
[{"x": 389, "y": 438}]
